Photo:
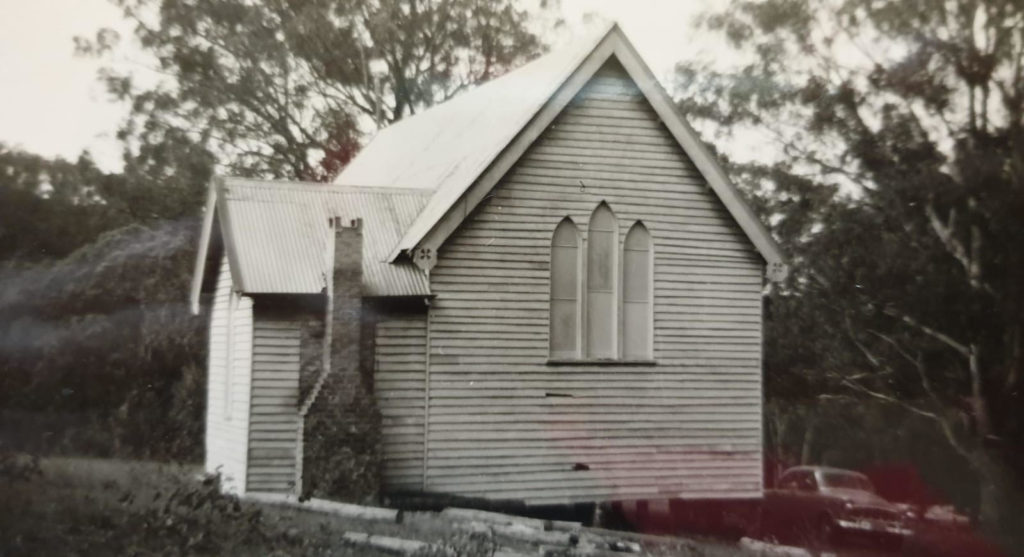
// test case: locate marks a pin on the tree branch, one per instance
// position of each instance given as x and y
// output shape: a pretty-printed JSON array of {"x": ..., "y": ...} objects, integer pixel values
[
  {"x": 915, "y": 361},
  {"x": 946, "y": 428},
  {"x": 946, "y": 234},
  {"x": 852, "y": 383},
  {"x": 949, "y": 341}
]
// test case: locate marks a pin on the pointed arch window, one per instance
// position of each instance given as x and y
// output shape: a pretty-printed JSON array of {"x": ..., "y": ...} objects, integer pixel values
[
  {"x": 637, "y": 302},
  {"x": 602, "y": 271},
  {"x": 602, "y": 301},
  {"x": 565, "y": 291}
]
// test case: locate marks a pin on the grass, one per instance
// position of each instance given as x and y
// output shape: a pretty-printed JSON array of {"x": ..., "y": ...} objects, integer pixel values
[{"x": 83, "y": 506}]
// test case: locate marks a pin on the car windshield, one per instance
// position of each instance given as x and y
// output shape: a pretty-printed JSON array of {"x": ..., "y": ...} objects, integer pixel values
[{"x": 846, "y": 481}]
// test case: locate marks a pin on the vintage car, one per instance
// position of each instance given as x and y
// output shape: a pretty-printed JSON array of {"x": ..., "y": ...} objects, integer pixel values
[{"x": 816, "y": 505}]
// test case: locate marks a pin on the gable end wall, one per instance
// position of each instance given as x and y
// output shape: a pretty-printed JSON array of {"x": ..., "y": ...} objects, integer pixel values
[{"x": 689, "y": 426}]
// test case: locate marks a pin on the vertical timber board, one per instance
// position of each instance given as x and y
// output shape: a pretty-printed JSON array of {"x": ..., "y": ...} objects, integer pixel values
[
  {"x": 506, "y": 425},
  {"x": 399, "y": 385},
  {"x": 274, "y": 419},
  {"x": 228, "y": 383}
]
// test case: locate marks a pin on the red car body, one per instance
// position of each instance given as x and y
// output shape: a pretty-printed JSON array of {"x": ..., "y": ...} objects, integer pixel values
[{"x": 817, "y": 505}]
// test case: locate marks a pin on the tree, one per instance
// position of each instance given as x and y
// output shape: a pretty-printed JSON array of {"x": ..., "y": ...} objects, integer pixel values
[
  {"x": 50, "y": 207},
  {"x": 899, "y": 194},
  {"x": 284, "y": 88}
]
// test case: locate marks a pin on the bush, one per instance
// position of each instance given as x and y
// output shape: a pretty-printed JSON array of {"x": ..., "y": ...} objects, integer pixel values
[
  {"x": 18, "y": 467},
  {"x": 105, "y": 335}
]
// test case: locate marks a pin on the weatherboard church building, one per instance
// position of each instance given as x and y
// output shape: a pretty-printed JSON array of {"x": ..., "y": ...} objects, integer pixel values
[{"x": 545, "y": 290}]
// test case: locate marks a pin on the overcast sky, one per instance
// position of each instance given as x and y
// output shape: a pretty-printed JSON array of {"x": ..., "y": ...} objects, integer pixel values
[{"x": 52, "y": 104}]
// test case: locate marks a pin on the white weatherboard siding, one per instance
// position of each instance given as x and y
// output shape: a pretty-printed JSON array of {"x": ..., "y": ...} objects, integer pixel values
[
  {"x": 399, "y": 385},
  {"x": 689, "y": 426},
  {"x": 228, "y": 383},
  {"x": 274, "y": 421}
]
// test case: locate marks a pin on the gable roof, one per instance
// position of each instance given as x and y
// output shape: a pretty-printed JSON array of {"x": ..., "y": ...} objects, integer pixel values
[
  {"x": 276, "y": 235},
  {"x": 454, "y": 141},
  {"x": 460, "y": 149},
  {"x": 421, "y": 177}
]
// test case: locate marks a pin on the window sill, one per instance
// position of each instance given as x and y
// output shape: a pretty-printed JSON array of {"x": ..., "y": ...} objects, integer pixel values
[{"x": 593, "y": 362}]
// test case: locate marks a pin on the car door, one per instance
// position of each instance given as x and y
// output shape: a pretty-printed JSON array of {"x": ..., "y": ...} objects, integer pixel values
[
  {"x": 779, "y": 505},
  {"x": 806, "y": 501}
]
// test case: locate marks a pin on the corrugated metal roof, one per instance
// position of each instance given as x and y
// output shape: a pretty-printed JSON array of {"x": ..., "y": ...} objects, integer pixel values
[
  {"x": 446, "y": 148},
  {"x": 277, "y": 233}
]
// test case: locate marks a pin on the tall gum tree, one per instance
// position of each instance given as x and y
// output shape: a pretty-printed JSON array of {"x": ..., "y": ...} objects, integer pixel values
[
  {"x": 898, "y": 190},
  {"x": 288, "y": 88}
]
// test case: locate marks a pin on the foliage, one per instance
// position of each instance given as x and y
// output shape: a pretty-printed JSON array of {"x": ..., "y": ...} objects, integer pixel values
[
  {"x": 97, "y": 355},
  {"x": 18, "y": 467},
  {"x": 342, "y": 453},
  {"x": 196, "y": 518},
  {"x": 49, "y": 208},
  {"x": 899, "y": 194},
  {"x": 277, "y": 88},
  {"x": 105, "y": 334},
  {"x": 461, "y": 544},
  {"x": 143, "y": 510}
]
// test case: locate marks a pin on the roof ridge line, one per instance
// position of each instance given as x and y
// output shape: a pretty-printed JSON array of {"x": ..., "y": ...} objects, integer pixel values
[
  {"x": 322, "y": 186},
  {"x": 591, "y": 36}
]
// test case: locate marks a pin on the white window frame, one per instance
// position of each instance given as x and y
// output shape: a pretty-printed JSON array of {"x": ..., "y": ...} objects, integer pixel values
[{"x": 583, "y": 354}]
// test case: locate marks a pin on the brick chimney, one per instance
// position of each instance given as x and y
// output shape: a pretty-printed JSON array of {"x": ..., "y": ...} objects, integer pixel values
[
  {"x": 342, "y": 426},
  {"x": 346, "y": 296}
]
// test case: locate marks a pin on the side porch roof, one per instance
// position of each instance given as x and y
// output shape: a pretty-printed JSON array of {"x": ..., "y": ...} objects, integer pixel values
[{"x": 275, "y": 235}]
